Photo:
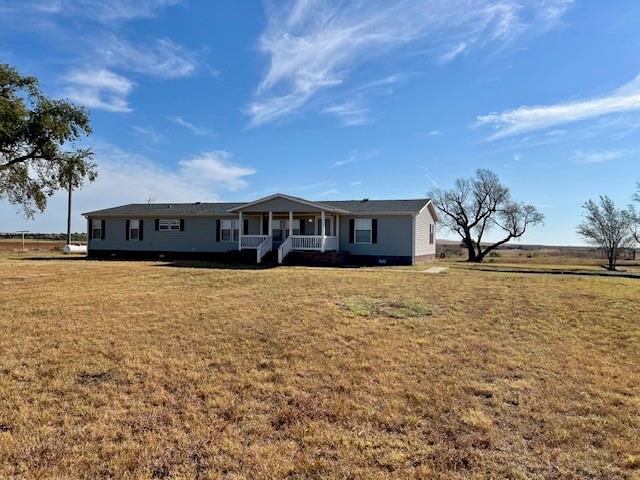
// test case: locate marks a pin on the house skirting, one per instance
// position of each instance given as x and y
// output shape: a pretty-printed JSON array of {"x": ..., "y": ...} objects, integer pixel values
[
  {"x": 425, "y": 258},
  {"x": 311, "y": 258}
]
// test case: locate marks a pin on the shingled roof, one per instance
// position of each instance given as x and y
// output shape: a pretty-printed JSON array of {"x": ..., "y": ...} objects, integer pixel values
[{"x": 204, "y": 209}]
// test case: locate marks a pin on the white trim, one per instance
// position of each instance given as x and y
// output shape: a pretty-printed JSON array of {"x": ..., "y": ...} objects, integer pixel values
[
  {"x": 169, "y": 223},
  {"x": 355, "y": 231},
  {"x": 302, "y": 201},
  {"x": 432, "y": 210},
  {"x": 233, "y": 227},
  {"x": 413, "y": 239}
]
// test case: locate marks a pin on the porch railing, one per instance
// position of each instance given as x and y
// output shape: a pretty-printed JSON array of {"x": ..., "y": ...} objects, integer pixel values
[
  {"x": 252, "y": 241},
  {"x": 284, "y": 249},
  {"x": 306, "y": 242},
  {"x": 263, "y": 248},
  {"x": 313, "y": 242}
]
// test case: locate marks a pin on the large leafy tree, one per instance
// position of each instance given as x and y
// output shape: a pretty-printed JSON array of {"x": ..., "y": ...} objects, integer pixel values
[
  {"x": 37, "y": 137},
  {"x": 476, "y": 205},
  {"x": 607, "y": 227}
]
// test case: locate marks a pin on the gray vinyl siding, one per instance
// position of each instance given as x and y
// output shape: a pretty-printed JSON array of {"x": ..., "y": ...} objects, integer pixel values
[
  {"x": 394, "y": 236},
  {"x": 199, "y": 235},
  {"x": 423, "y": 247},
  {"x": 280, "y": 205}
]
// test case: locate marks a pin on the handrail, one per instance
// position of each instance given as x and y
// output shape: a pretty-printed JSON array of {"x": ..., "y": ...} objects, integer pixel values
[
  {"x": 264, "y": 248},
  {"x": 314, "y": 242},
  {"x": 284, "y": 249},
  {"x": 252, "y": 241}
]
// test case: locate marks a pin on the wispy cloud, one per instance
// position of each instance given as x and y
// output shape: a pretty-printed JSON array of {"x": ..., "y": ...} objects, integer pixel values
[
  {"x": 453, "y": 53},
  {"x": 357, "y": 156},
  {"x": 313, "y": 45},
  {"x": 195, "y": 129},
  {"x": 100, "y": 89},
  {"x": 162, "y": 58},
  {"x": 434, "y": 133},
  {"x": 215, "y": 167},
  {"x": 351, "y": 114},
  {"x": 147, "y": 134},
  {"x": 528, "y": 119},
  {"x": 103, "y": 10},
  {"x": 599, "y": 156}
]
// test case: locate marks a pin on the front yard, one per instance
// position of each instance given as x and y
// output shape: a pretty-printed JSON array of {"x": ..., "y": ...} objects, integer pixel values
[{"x": 159, "y": 370}]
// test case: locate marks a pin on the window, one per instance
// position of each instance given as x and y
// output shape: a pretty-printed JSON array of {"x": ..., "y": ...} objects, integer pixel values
[
  {"x": 134, "y": 229},
  {"x": 96, "y": 228},
  {"x": 296, "y": 226},
  {"x": 362, "y": 230},
  {"x": 432, "y": 229},
  {"x": 327, "y": 226},
  {"x": 172, "y": 225},
  {"x": 276, "y": 226},
  {"x": 229, "y": 231}
]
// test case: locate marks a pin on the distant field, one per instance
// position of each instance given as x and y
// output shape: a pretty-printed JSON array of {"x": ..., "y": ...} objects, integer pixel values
[
  {"x": 15, "y": 245},
  {"x": 115, "y": 369}
]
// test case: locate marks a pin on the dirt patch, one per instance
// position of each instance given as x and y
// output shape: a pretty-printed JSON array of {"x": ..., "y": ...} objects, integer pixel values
[
  {"x": 93, "y": 377},
  {"x": 398, "y": 308}
]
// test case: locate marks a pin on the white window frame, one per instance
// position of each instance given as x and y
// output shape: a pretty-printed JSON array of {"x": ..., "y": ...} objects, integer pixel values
[
  {"x": 366, "y": 222},
  {"x": 432, "y": 233},
  {"x": 94, "y": 228},
  {"x": 278, "y": 224},
  {"x": 169, "y": 225},
  {"x": 232, "y": 226},
  {"x": 296, "y": 226},
  {"x": 135, "y": 222}
]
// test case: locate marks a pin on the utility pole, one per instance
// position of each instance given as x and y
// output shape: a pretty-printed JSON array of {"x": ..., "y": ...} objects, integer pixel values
[
  {"x": 22, "y": 232},
  {"x": 69, "y": 213}
]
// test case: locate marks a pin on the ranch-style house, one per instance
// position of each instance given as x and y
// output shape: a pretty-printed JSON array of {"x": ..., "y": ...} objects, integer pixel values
[{"x": 278, "y": 228}]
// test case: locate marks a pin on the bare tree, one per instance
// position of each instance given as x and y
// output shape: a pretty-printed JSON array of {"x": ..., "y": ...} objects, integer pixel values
[
  {"x": 636, "y": 214},
  {"x": 607, "y": 227},
  {"x": 476, "y": 205}
]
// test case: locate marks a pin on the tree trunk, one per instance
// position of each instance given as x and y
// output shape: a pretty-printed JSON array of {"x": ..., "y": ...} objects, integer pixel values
[{"x": 471, "y": 251}]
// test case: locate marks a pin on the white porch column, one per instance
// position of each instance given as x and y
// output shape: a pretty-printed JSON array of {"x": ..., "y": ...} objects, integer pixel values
[
  {"x": 290, "y": 223},
  {"x": 337, "y": 230},
  {"x": 270, "y": 223},
  {"x": 323, "y": 231},
  {"x": 240, "y": 231}
]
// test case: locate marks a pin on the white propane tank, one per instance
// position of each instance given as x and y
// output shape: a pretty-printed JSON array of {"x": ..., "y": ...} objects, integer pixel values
[{"x": 75, "y": 249}]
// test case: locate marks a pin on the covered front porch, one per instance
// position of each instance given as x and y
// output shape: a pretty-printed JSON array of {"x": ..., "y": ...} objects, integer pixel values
[{"x": 305, "y": 226}]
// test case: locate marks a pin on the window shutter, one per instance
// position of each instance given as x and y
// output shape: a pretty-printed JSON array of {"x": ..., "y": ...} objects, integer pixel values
[
  {"x": 141, "y": 230},
  {"x": 127, "y": 232},
  {"x": 303, "y": 222},
  {"x": 103, "y": 224},
  {"x": 265, "y": 226},
  {"x": 157, "y": 224},
  {"x": 245, "y": 227},
  {"x": 90, "y": 229},
  {"x": 319, "y": 228},
  {"x": 218, "y": 230},
  {"x": 351, "y": 229},
  {"x": 182, "y": 224},
  {"x": 374, "y": 230}
]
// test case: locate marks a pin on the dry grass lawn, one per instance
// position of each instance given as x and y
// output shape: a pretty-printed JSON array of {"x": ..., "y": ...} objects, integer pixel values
[{"x": 143, "y": 370}]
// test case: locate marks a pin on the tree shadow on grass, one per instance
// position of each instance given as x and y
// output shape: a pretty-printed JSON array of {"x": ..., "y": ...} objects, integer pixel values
[{"x": 52, "y": 258}]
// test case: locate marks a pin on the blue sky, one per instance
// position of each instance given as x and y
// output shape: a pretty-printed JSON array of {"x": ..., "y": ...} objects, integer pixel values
[{"x": 204, "y": 101}]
